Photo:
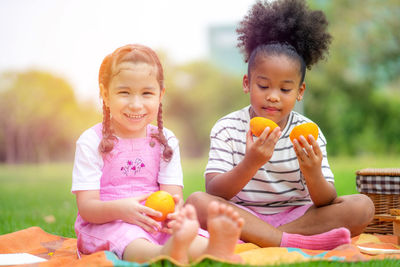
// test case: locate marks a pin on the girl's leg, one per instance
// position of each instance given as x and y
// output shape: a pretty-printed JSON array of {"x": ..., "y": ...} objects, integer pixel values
[
  {"x": 141, "y": 250},
  {"x": 224, "y": 226},
  {"x": 263, "y": 234},
  {"x": 254, "y": 229},
  {"x": 354, "y": 212},
  {"x": 184, "y": 230}
]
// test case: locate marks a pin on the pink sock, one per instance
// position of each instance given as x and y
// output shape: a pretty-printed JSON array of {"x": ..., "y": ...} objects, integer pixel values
[{"x": 324, "y": 241}]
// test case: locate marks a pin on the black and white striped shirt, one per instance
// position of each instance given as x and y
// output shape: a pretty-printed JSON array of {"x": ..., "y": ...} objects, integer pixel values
[{"x": 276, "y": 186}]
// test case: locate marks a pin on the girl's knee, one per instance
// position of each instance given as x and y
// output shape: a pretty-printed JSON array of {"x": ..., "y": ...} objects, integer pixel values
[
  {"x": 366, "y": 205},
  {"x": 201, "y": 200},
  {"x": 361, "y": 209},
  {"x": 198, "y": 199},
  {"x": 370, "y": 207}
]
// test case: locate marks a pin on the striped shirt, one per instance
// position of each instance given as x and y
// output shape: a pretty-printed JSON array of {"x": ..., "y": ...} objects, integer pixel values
[{"x": 279, "y": 184}]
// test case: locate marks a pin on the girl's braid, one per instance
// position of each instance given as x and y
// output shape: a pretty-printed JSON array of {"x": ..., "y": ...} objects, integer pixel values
[
  {"x": 107, "y": 142},
  {"x": 167, "y": 153}
]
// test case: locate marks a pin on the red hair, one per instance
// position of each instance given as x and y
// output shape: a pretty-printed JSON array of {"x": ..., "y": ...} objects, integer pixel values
[{"x": 133, "y": 53}]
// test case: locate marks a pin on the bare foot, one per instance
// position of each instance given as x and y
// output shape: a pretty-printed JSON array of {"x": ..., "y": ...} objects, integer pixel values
[
  {"x": 184, "y": 231},
  {"x": 224, "y": 226}
]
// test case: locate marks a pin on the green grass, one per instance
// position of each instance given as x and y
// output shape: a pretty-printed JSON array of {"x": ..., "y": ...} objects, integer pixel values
[{"x": 30, "y": 193}]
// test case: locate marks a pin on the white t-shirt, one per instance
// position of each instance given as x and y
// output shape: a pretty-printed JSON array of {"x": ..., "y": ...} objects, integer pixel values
[
  {"x": 279, "y": 184},
  {"x": 88, "y": 163}
]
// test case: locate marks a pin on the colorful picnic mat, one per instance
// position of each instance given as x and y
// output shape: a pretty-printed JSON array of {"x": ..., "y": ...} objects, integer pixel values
[{"x": 61, "y": 251}]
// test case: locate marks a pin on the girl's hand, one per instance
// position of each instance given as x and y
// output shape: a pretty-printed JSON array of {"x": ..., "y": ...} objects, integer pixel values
[
  {"x": 167, "y": 225},
  {"x": 310, "y": 157},
  {"x": 260, "y": 151},
  {"x": 310, "y": 160},
  {"x": 135, "y": 213}
]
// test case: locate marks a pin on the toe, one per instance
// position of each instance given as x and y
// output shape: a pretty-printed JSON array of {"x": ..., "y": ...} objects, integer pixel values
[{"x": 213, "y": 209}]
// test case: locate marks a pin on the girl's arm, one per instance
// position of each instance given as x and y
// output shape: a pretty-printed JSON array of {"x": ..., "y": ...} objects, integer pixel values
[
  {"x": 130, "y": 210},
  {"x": 321, "y": 191},
  {"x": 172, "y": 189},
  {"x": 228, "y": 184},
  {"x": 176, "y": 192}
]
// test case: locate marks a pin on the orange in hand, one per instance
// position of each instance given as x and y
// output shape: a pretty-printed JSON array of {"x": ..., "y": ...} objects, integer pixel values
[
  {"x": 305, "y": 130},
  {"x": 258, "y": 124},
  {"x": 161, "y": 201}
]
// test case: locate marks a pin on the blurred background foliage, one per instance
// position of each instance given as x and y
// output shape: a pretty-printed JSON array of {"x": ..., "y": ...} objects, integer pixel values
[
  {"x": 354, "y": 96},
  {"x": 40, "y": 117}
]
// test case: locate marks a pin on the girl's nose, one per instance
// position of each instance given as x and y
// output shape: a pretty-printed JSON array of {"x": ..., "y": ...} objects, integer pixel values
[
  {"x": 272, "y": 96},
  {"x": 135, "y": 102}
]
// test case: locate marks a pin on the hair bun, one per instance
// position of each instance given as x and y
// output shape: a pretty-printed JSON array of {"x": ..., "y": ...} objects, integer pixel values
[{"x": 285, "y": 21}]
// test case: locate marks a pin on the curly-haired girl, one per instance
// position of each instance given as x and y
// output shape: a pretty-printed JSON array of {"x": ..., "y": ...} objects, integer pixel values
[{"x": 285, "y": 193}]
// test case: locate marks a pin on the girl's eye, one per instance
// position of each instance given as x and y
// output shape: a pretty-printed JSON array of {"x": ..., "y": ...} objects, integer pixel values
[
  {"x": 262, "y": 87},
  {"x": 123, "y": 92},
  {"x": 286, "y": 90}
]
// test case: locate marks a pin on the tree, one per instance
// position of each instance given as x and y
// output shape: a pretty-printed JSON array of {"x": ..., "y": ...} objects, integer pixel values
[
  {"x": 39, "y": 117},
  {"x": 198, "y": 94},
  {"x": 352, "y": 94}
]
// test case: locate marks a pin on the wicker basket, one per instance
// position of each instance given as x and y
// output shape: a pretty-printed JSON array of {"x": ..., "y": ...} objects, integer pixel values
[{"x": 383, "y": 187}]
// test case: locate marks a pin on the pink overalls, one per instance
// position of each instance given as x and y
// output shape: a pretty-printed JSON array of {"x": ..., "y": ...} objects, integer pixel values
[{"x": 130, "y": 170}]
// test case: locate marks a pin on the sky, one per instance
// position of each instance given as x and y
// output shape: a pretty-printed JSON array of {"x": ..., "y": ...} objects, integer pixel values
[{"x": 70, "y": 38}]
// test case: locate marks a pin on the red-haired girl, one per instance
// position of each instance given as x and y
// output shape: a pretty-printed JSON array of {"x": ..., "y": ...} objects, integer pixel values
[{"x": 120, "y": 161}]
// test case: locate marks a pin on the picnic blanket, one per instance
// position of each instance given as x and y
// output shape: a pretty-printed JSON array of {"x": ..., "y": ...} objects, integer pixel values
[{"x": 61, "y": 251}]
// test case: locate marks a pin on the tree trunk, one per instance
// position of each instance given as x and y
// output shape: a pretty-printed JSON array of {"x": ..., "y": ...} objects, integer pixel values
[{"x": 9, "y": 140}]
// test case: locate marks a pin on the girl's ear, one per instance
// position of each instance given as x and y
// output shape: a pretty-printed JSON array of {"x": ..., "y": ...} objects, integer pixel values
[
  {"x": 104, "y": 94},
  {"x": 246, "y": 84},
  {"x": 162, "y": 92},
  {"x": 302, "y": 89}
]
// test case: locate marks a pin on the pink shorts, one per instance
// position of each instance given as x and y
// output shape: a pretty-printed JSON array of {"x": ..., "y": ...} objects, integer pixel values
[
  {"x": 281, "y": 218},
  {"x": 113, "y": 236}
]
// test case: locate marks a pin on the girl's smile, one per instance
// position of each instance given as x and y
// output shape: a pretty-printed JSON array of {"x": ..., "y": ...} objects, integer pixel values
[
  {"x": 133, "y": 97},
  {"x": 135, "y": 117}
]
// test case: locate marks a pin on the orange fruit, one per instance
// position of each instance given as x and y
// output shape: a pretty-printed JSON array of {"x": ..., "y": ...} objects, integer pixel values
[
  {"x": 305, "y": 130},
  {"x": 161, "y": 201},
  {"x": 258, "y": 124}
]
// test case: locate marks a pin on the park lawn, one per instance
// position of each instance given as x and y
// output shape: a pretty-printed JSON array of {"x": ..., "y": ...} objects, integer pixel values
[{"x": 39, "y": 195}]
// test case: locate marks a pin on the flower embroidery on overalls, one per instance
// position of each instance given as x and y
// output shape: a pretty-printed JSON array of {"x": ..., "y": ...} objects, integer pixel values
[{"x": 133, "y": 166}]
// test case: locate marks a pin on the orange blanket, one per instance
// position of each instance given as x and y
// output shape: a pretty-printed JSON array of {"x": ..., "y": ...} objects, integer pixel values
[{"x": 61, "y": 251}]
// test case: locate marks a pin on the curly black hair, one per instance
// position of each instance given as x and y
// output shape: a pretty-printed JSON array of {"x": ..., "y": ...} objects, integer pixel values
[{"x": 288, "y": 23}]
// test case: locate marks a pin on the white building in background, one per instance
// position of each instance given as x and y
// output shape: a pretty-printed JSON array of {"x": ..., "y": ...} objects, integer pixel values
[{"x": 223, "y": 51}]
